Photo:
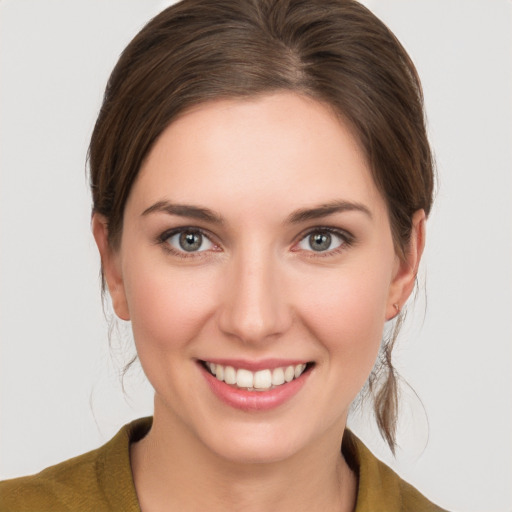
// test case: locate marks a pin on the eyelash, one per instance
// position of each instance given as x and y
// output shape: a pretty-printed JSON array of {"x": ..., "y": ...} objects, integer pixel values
[
  {"x": 348, "y": 241},
  {"x": 164, "y": 237}
]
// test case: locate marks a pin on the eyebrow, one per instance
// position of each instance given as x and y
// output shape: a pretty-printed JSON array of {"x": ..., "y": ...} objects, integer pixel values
[
  {"x": 323, "y": 210},
  {"x": 185, "y": 210},
  {"x": 301, "y": 215}
]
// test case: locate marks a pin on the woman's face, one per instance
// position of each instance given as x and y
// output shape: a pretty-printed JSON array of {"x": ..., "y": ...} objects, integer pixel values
[{"x": 255, "y": 240}]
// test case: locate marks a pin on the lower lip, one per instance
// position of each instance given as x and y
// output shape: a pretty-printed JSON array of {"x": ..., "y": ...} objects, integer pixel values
[{"x": 254, "y": 400}]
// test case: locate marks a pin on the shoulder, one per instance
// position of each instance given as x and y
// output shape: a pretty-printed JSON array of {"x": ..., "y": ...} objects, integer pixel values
[
  {"x": 93, "y": 481},
  {"x": 60, "y": 487},
  {"x": 380, "y": 488}
]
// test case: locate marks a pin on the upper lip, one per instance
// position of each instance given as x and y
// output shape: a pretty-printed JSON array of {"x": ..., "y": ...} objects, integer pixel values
[{"x": 252, "y": 365}]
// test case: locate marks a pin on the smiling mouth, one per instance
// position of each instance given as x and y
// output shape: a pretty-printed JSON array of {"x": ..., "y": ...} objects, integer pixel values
[{"x": 261, "y": 380}]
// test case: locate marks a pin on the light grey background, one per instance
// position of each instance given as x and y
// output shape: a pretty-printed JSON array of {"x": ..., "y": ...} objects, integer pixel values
[{"x": 59, "y": 387}]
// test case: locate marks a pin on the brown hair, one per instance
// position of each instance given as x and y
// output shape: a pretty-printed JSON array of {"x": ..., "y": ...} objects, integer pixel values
[{"x": 335, "y": 51}]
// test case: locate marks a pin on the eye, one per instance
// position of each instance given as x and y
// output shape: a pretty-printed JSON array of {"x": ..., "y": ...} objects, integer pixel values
[
  {"x": 189, "y": 240},
  {"x": 322, "y": 240}
]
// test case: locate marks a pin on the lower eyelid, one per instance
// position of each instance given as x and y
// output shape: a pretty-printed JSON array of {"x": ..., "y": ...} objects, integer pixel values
[
  {"x": 346, "y": 241},
  {"x": 345, "y": 238},
  {"x": 167, "y": 235}
]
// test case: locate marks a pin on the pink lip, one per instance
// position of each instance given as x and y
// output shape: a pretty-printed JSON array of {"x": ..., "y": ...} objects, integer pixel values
[
  {"x": 254, "y": 366},
  {"x": 253, "y": 400}
]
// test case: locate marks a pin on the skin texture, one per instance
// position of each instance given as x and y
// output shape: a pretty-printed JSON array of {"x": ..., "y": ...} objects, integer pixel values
[{"x": 256, "y": 290}]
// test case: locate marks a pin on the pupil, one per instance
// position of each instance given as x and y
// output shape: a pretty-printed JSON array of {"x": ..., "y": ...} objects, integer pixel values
[
  {"x": 190, "y": 241},
  {"x": 320, "y": 241}
]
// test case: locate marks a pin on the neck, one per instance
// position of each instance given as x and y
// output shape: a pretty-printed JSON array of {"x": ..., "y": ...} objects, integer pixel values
[{"x": 177, "y": 472}]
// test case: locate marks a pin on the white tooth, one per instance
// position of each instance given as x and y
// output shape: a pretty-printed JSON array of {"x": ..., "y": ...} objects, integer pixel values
[
  {"x": 263, "y": 379},
  {"x": 229, "y": 375},
  {"x": 244, "y": 378},
  {"x": 219, "y": 372},
  {"x": 278, "y": 377},
  {"x": 289, "y": 373},
  {"x": 212, "y": 367},
  {"x": 299, "y": 369}
]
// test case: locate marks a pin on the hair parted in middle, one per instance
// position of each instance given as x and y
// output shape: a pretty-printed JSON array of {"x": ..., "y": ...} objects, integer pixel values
[{"x": 334, "y": 51}]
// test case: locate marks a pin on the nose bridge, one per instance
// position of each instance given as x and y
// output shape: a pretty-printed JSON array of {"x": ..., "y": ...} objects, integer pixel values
[{"x": 254, "y": 306}]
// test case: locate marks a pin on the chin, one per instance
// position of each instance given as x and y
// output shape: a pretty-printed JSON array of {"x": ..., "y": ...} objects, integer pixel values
[
  {"x": 273, "y": 440},
  {"x": 257, "y": 449}
]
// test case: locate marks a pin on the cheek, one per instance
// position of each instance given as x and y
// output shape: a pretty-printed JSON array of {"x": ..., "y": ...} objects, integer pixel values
[
  {"x": 167, "y": 306},
  {"x": 346, "y": 314}
]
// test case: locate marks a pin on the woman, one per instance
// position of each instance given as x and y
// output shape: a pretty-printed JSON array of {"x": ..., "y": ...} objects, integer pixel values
[{"x": 261, "y": 178}]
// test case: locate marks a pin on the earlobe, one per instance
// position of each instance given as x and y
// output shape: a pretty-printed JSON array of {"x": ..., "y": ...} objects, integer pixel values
[
  {"x": 404, "y": 278},
  {"x": 111, "y": 266}
]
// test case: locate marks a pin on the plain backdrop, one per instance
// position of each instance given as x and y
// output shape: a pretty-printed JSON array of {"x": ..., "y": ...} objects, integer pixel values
[{"x": 60, "y": 389}]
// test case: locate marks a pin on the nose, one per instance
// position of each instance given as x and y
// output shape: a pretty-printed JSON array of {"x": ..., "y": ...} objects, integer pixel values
[{"x": 254, "y": 308}]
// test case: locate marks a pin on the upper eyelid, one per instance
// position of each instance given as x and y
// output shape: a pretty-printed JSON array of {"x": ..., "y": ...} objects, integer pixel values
[
  {"x": 174, "y": 231},
  {"x": 343, "y": 233},
  {"x": 347, "y": 241},
  {"x": 162, "y": 239},
  {"x": 329, "y": 229}
]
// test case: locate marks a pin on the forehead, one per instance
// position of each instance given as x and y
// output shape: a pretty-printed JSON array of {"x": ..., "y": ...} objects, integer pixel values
[{"x": 280, "y": 150}]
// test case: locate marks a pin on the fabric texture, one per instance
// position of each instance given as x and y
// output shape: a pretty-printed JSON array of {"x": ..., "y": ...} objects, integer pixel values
[{"x": 101, "y": 481}]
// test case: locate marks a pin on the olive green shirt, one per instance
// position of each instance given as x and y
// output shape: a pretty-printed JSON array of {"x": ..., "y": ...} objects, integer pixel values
[{"x": 101, "y": 480}]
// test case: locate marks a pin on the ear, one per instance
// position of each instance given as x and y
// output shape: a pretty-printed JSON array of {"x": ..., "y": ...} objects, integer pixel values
[
  {"x": 111, "y": 266},
  {"x": 404, "y": 277}
]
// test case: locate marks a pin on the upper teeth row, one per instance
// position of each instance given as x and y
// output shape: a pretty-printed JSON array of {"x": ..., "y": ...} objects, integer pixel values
[{"x": 262, "y": 379}]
